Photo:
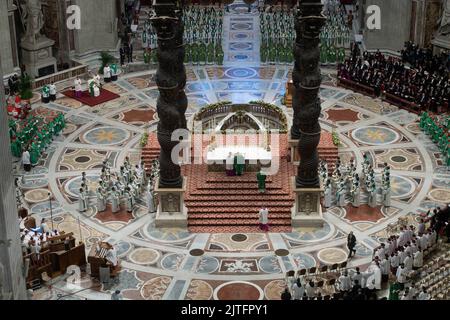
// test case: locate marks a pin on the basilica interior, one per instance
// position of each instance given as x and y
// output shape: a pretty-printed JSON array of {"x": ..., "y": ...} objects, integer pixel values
[{"x": 225, "y": 150}]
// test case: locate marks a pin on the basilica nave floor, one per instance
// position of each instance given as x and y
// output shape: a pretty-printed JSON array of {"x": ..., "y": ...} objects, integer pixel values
[{"x": 174, "y": 264}]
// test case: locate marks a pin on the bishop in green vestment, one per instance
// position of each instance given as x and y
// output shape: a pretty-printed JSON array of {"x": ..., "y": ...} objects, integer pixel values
[{"x": 261, "y": 181}]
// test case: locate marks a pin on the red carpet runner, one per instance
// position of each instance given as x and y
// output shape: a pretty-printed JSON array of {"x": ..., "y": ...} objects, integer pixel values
[{"x": 85, "y": 98}]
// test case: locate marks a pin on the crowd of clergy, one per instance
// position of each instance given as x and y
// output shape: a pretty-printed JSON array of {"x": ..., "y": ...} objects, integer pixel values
[
  {"x": 345, "y": 183},
  {"x": 125, "y": 186},
  {"x": 203, "y": 28},
  {"x": 398, "y": 262},
  {"x": 31, "y": 136},
  {"x": 34, "y": 240},
  {"x": 437, "y": 127},
  {"x": 278, "y": 36},
  {"x": 426, "y": 85}
]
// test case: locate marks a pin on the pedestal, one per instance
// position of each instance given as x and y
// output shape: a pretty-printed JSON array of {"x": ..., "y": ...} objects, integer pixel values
[
  {"x": 440, "y": 43},
  {"x": 171, "y": 212},
  {"x": 307, "y": 211},
  {"x": 38, "y": 57},
  {"x": 295, "y": 157}
]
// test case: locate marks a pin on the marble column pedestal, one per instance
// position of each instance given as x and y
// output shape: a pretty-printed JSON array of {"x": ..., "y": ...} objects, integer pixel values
[
  {"x": 38, "y": 57},
  {"x": 307, "y": 211},
  {"x": 171, "y": 212}
]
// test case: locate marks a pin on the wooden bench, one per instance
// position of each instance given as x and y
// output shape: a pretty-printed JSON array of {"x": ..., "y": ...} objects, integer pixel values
[
  {"x": 358, "y": 87},
  {"x": 400, "y": 102}
]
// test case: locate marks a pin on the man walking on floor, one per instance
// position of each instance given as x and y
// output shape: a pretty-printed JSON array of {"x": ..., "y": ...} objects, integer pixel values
[{"x": 351, "y": 243}]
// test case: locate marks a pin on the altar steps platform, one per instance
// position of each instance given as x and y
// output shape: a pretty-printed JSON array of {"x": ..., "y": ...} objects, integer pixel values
[{"x": 220, "y": 203}]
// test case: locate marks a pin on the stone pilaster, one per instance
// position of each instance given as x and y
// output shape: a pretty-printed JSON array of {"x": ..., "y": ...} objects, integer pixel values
[
  {"x": 10, "y": 248},
  {"x": 307, "y": 78},
  {"x": 171, "y": 81}
]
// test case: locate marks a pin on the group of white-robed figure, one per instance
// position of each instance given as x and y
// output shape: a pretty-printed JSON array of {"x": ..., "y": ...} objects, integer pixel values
[
  {"x": 128, "y": 183},
  {"x": 345, "y": 181}
]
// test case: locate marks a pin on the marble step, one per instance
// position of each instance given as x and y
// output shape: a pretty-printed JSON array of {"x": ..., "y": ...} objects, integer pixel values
[
  {"x": 233, "y": 221},
  {"x": 237, "y": 229}
]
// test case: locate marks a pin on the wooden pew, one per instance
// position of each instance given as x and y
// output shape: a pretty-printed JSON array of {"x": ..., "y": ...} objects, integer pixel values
[{"x": 358, "y": 87}]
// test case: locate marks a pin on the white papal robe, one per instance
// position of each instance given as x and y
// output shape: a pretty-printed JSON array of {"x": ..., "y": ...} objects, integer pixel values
[{"x": 115, "y": 202}]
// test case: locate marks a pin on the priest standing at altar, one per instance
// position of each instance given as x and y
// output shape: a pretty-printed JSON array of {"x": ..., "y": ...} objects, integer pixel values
[
  {"x": 239, "y": 163},
  {"x": 229, "y": 165}
]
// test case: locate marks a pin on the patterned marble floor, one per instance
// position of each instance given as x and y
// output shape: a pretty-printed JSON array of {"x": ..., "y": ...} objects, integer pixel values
[{"x": 163, "y": 263}]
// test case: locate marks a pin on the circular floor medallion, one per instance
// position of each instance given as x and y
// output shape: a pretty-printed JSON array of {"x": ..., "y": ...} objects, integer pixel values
[
  {"x": 440, "y": 195},
  {"x": 106, "y": 136},
  {"x": 375, "y": 135},
  {"x": 398, "y": 159},
  {"x": 36, "y": 195},
  {"x": 239, "y": 237},
  {"x": 82, "y": 159},
  {"x": 144, "y": 256},
  {"x": 238, "y": 290},
  {"x": 196, "y": 252},
  {"x": 282, "y": 252},
  {"x": 332, "y": 255},
  {"x": 241, "y": 73}
]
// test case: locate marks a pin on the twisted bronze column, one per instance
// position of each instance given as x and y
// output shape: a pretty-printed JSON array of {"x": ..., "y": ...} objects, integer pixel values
[
  {"x": 306, "y": 76},
  {"x": 171, "y": 81}
]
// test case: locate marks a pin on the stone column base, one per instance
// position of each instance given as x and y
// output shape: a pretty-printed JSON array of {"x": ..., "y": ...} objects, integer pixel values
[
  {"x": 171, "y": 212},
  {"x": 293, "y": 145},
  {"x": 307, "y": 211},
  {"x": 38, "y": 56}
]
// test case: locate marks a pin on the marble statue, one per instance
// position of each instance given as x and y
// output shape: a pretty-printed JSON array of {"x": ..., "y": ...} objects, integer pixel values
[
  {"x": 34, "y": 19},
  {"x": 444, "y": 25}
]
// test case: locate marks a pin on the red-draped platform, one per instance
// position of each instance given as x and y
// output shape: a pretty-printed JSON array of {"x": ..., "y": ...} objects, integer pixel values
[
  {"x": 86, "y": 98},
  {"x": 220, "y": 204}
]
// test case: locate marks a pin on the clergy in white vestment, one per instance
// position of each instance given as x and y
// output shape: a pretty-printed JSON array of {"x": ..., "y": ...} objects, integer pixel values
[
  {"x": 78, "y": 89},
  {"x": 115, "y": 201},
  {"x": 408, "y": 262},
  {"x": 345, "y": 282},
  {"x": 372, "y": 196},
  {"x": 401, "y": 274},
  {"x": 264, "y": 219},
  {"x": 375, "y": 278},
  {"x": 357, "y": 276},
  {"x": 355, "y": 195},
  {"x": 150, "y": 199},
  {"x": 107, "y": 73},
  {"x": 229, "y": 165},
  {"x": 101, "y": 200},
  {"x": 327, "y": 195},
  {"x": 310, "y": 290},
  {"x": 385, "y": 268},
  {"x": 424, "y": 295},
  {"x": 82, "y": 201},
  {"x": 297, "y": 290},
  {"x": 423, "y": 240},
  {"x": 111, "y": 256},
  {"x": 395, "y": 262},
  {"x": 402, "y": 239},
  {"x": 418, "y": 259},
  {"x": 386, "y": 195},
  {"x": 340, "y": 200},
  {"x": 129, "y": 199}
]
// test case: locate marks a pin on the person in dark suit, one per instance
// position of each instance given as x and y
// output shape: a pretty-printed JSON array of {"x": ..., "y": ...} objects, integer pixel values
[
  {"x": 351, "y": 243},
  {"x": 122, "y": 55},
  {"x": 286, "y": 295},
  {"x": 130, "y": 52}
]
